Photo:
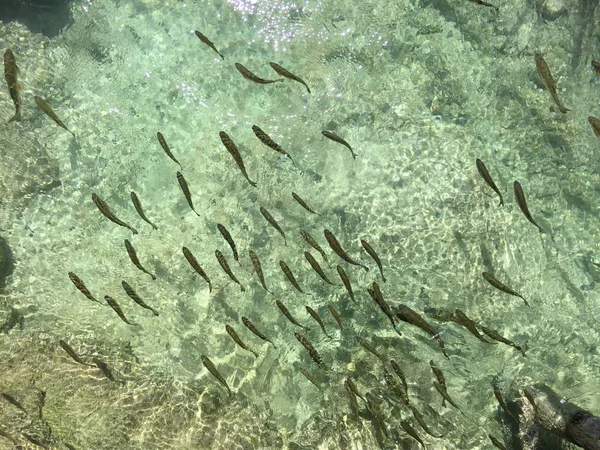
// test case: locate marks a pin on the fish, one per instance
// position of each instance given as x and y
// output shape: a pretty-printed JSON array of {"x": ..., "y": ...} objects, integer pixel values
[
  {"x": 595, "y": 123},
  {"x": 272, "y": 222},
  {"x": 287, "y": 74},
  {"x": 337, "y": 248},
  {"x": 501, "y": 401},
  {"x": 317, "y": 318},
  {"x": 311, "y": 350},
  {"x": 231, "y": 332},
  {"x": 496, "y": 442},
  {"x": 394, "y": 387},
  {"x": 194, "y": 263},
  {"x": 483, "y": 3},
  {"x": 374, "y": 408},
  {"x": 136, "y": 298},
  {"x": 258, "y": 269},
  {"x": 335, "y": 138},
  {"x": 309, "y": 377},
  {"x": 440, "y": 314},
  {"x": 309, "y": 239},
  {"x": 444, "y": 393},
  {"x": 138, "y": 207},
  {"x": 378, "y": 297},
  {"x": 290, "y": 276},
  {"x": 498, "y": 337},
  {"x": 5, "y": 434},
  {"x": 215, "y": 373},
  {"x": 349, "y": 383},
  {"x": 336, "y": 316},
  {"x": 47, "y": 109},
  {"x": 317, "y": 268},
  {"x": 116, "y": 308},
  {"x": 225, "y": 266},
  {"x": 368, "y": 347},
  {"x": 266, "y": 139},
  {"x": 439, "y": 375},
  {"x": 235, "y": 153},
  {"x": 11, "y": 72},
  {"x": 105, "y": 210},
  {"x": 208, "y": 42},
  {"x": 81, "y": 286},
  {"x": 596, "y": 67},
  {"x": 353, "y": 399},
  {"x": 399, "y": 373},
  {"x": 498, "y": 285},
  {"x": 544, "y": 72},
  {"x": 304, "y": 204},
  {"x": 255, "y": 78},
  {"x": 373, "y": 255},
  {"x": 165, "y": 147},
  {"x": 104, "y": 368},
  {"x": 186, "y": 191},
  {"x": 342, "y": 273},
  {"x": 254, "y": 330},
  {"x": 411, "y": 432},
  {"x": 520, "y": 196},
  {"x": 67, "y": 348},
  {"x": 462, "y": 319},
  {"x": 13, "y": 401},
  {"x": 407, "y": 315},
  {"x": 488, "y": 179},
  {"x": 419, "y": 418},
  {"x": 229, "y": 240},
  {"x": 288, "y": 315},
  {"x": 135, "y": 260}
]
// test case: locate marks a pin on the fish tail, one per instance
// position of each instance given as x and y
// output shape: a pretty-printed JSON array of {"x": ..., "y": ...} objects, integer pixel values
[{"x": 16, "y": 117}]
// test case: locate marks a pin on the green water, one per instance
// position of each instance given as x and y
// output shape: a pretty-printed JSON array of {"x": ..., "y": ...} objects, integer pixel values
[{"x": 419, "y": 90}]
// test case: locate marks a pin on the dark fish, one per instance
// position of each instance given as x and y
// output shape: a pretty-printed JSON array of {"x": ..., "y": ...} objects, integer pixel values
[
  {"x": 483, "y": 3},
  {"x": 335, "y": 315},
  {"x": 400, "y": 374},
  {"x": 311, "y": 350},
  {"x": 165, "y": 147},
  {"x": 304, "y": 204},
  {"x": 501, "y": 401},
  {"x": 488, "y": 179},
  {"x": 349, "y": 382},
  {"x": 116, "y": 308},
  {"x": 309, "y": 377},
  {"x": 498, "y": 285},
  {"x": 496, "y": 442},
  {"x": 596, "y": 67},
  {"x": 138, "y": 207},
  {"x": 353, "y": 399},
  {"x": 215, "y": 373},
  {"x": 288, "y": 315},
  {"x": 104, "y": 368},
  {"x": 258, "y": 269},
  {"x": 136, "y": 298},
  {"x": 13, "y": 401},
  {"x": 523, "y": 204},
  {"x": 544, "y": 72},
  {"x": 229, "y": 240},
  {"x": 287, "y": 74},
  {"x": 44, "y": 106},
  {"x": 529, "y": 396},
  {"x": 419, "y": 417},
  {"x": 374, "y": 408},
  {"x": 290, "y": 276},
  {"x": 334, "y": 137},
  {"x": 208, "y": 42},
  {"x": 368, "y": 347},
  {"x": 235, "y": 153},
  {"x": 81, "y": 286},
  {"x": 186, "y": 191},
  {"x": 254, "y": 330},
  {"x": 67, "y": 348},
  {"x": 444, "y": 393},
  {"x": 105, "y": 210},
  {"x": 373, "y": 255},
  {"x": 411, "y": 432},
  {"x": 265, "y": 139},
  {"x": 378, "y": 297},
  {"x": 317, "y": 318},
  {"x": 225, "y": 266},
  {"x": 194, "y": 263},
  {"x": 231, "y": 332},
  {"x": 346, "y": 281},
  {"x": 309, "y": 239},
  {"x": 250, "y": 76},
  {"x": 337, "y": 248},
  {"x": 439, "y": 375},
  {"x": 462, "y": 319},
  {"x": 317, "y": 268},
  {"x": 406, "y": 314},
  {"x": 498, "y": 337},
  {"x": 273, "y": 222},
  {"x": 595, "y": 123},
  {"x": 394, "y": 387},
  {"x": 11, "y": 71},
  {"x": 135, "y": 260}
]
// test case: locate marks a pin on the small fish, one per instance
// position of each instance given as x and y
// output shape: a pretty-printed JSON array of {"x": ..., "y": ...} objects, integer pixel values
[
  {"x": 303, "y": 204},
  {"x": 135, "y": 260},
  {"x": 488, "y": 179},
  {"x": 483, "y": 3},
  {"x": 254, "y": 330},
  {"x": 311, "y": 350},
  {"x": 288, "y": 315},
  {"x": 272, "y": 222},
  {"x": 265, "y": 139},
  {"x": 309, "y": 377},
  {"x": 317, "y": 318},
  {"x": 136, "y": 298},
  {"x": 231, "y": 332},
  {"x": 498, "y": 285},
  {"x": 496, "y": 443},
  {"x": 349, "y": 382},
  {"x": 342, "y": 273},
  {"x": 444, "y": 393},
  {"x": 399, "y": 373},
  {"x": 194, "y": 263},
  {"x": 595, "y": 123},
  {"x": 116, "y": 308},
  {"x": 229, "y": 240},
  {"x": 5, "y": 434},
  {"x": 250, "y": 76},
  {"x": 411, "y": 432},
  {"x": 501, "y": 401},
  {"x": 44, "y": 106},
  {"x": 596, "y": 67},
  {"x": 375, "y": 409},
  {"x": 225, "y": 266},
  {"x": 419, "y": 417},
  {"x": 383, "y": 305},
  {"x": 544, "y": 72},
  {"x": 498, "y": 337},
  {"x": 438, "y": 374},
  {"x": 309, "y": 239},
  {"x": 258, "y": 269},
  {"x": 104, "y": 368},
  {"x": 215, "y": 373},
  {"x": 287, "y": 74},
  {"x": 186, "y": 191},
  {"x": 67, "y": 348},
  {"x": 523, "y": 204},
  {"x": 407, "y": 315},
  {"x": 105, "y": 210},
  {"x": 394, "y": 387},
  {"x": 208, "y": 42},
  {"x": 235, "y": 153},
  {"x": 529, "y": 396},
  {"x": 317, "y": 268},
  {"x": 368, "y": 347},
  {"x": 81, "y": 286},
  {"x": 11, "y": 71},
  {"x": 373, "y": 255},
  {"x": 462, "y": 319},
  {"x": 165, "y": 147},
  {"x": 138, "y": 207},
  {"x": 334, "y": 137},
  {"x": 290, "y": 276},
  {"x": 353, "y": 399},
  {"x": 13, "y": 401},
  {"x": 336, "y": 316},
  {"x": 337, "y": 248}
]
